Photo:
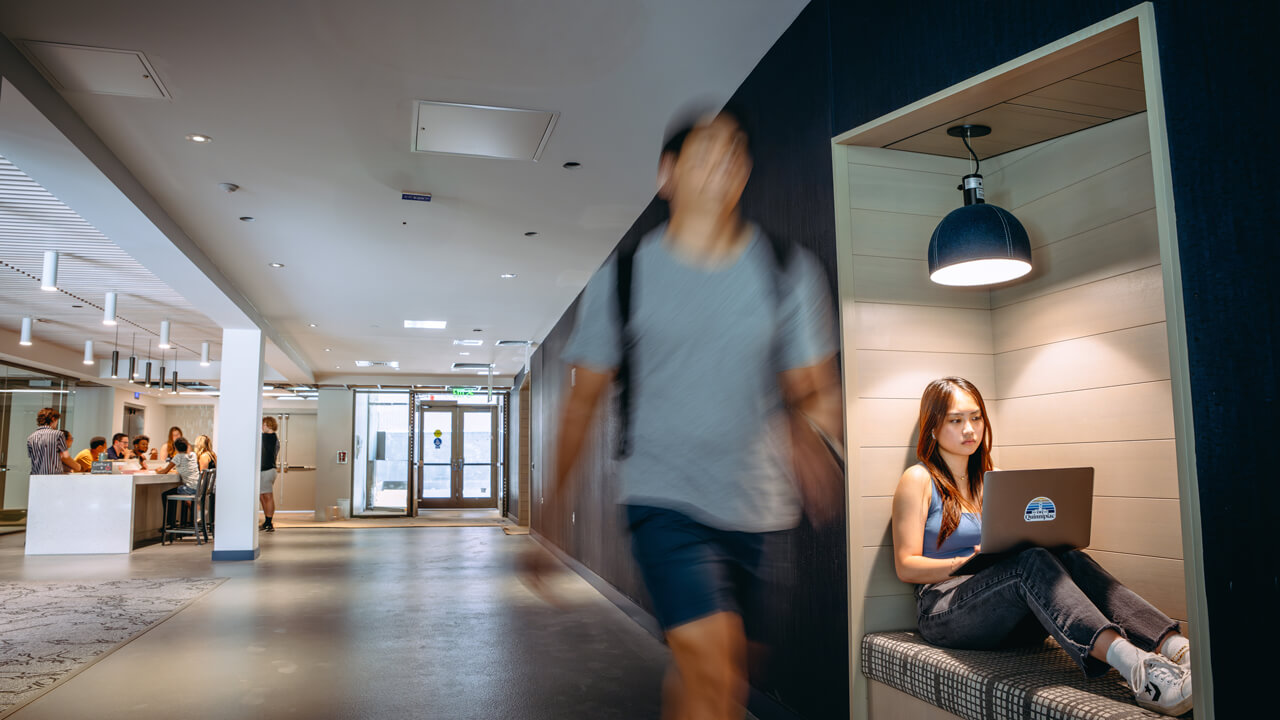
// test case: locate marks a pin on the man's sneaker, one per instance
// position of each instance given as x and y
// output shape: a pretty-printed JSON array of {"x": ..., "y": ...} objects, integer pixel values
[
  {"x": 1161, "y": 685},
  {"x": 271, "y": 528}
]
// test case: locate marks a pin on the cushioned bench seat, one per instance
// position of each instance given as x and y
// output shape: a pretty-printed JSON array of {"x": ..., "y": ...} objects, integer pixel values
[{"x": 1039, "y": 682}]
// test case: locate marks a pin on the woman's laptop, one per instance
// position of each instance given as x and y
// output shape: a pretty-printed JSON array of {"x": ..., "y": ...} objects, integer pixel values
[{"x": 1051, "y": 509}]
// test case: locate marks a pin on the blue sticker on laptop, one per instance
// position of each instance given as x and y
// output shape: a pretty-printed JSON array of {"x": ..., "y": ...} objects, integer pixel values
[{"x": 1040, "y": 509}]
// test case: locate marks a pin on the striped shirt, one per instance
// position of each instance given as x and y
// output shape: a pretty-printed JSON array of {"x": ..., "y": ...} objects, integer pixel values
[
  {"x": 44, "y": 447},
  {"x": 187, "y": 468}
]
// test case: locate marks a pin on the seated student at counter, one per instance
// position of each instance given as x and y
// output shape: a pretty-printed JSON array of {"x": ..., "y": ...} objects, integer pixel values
[
  {"x": 119, "y": 449},
  {"x": 47, "y": 446},
  {"x": 89, "y": 456},
  {"x": 140, "y": 446},
  {"x": 183, "y": 464},
  {"x": 937, "y": 524},
  {"x": 169, "y": 450}
]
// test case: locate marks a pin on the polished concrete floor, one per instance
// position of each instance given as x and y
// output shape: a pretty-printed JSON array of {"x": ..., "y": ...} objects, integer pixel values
[{"x": 372, "y": 623}]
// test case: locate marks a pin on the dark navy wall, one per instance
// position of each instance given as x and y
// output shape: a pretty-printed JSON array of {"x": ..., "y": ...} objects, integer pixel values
[{"x": 1218, "y": 62}]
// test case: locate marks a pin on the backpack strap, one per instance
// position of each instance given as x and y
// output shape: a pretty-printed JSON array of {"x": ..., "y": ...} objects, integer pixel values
[{"x": 625, "y": 267}]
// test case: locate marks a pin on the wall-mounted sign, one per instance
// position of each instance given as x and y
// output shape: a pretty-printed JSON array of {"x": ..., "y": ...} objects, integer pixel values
[
  {"x": 137, "y": 395},
  {"x": 420, "y": 197},
  {"x": 342, "y": 457}
]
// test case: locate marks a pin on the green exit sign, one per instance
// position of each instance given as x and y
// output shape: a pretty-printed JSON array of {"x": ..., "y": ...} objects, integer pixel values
[{"x": 463, "y": 391}]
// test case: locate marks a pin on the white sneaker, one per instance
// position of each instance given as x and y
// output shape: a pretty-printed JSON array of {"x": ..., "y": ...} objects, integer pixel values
[{"x": 1161, "y": 685}]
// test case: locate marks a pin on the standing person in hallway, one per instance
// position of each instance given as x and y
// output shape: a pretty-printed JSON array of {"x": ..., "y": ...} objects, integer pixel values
[
  {"x": 267, "y": 477},
  {"x": 47, "y": 446},
  {"x": 89, "y": 456},
  {"x": 729, "y": 357}
]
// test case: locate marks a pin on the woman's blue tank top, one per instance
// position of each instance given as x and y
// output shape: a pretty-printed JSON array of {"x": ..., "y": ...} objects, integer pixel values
[{"x": 960, "y": 542}]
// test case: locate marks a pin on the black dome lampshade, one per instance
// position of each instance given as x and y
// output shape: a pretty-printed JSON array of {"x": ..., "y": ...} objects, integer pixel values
[{"x": 978, "y": 244}]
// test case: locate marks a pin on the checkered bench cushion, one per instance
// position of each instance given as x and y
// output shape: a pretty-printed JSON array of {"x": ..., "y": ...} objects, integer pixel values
[{"x": 1038, "y": 682}]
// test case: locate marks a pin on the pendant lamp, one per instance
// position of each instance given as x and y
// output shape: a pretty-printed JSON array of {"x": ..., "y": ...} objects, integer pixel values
[
  {"x": 49, "y": 273},
  {"x": 978, "y": 244}
]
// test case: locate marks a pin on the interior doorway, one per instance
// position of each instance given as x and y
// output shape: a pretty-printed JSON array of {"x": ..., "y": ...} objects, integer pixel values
[
  {"x": 456, "y": 455},
  {"x": 133, "y": 421}
]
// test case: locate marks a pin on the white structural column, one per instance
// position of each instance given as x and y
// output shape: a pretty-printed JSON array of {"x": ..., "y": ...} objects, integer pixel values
[{"x": 238, "y": 438}]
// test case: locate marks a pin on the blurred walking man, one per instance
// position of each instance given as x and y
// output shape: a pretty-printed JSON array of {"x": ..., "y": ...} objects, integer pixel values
[{"x": 722, "y": 344}]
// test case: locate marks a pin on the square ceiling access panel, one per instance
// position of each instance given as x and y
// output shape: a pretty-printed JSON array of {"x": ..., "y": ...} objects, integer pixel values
[
  {"x": 96, "y": 70},
  {"x": 481, "y": 131}
]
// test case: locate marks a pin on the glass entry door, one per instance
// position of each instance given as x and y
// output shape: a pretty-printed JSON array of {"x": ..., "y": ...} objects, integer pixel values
[{"x": 456, "y": 461}]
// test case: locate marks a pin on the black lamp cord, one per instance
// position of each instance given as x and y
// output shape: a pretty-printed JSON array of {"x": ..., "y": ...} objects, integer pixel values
[{"x": 976, "y": 163}]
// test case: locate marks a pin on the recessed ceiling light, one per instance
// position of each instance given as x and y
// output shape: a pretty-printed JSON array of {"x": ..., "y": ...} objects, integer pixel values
[
  {"x": 246, "y": 218},
  {"x": 426, "y": 324},
  {"x": 199, "y": 139},
  {"x": 531, "y": 233},
  {"x": 469, "y": 343},
  {"x": 337, "y": 367},
  {"x": 571, "y": 165},
  {"x": 464, "y": 353},
  {"x": 312, "y": 324},
  {"x": 507, "y": 276},
  {"x": 328, "y": 349},
  {"x": 277, "y": 265}
]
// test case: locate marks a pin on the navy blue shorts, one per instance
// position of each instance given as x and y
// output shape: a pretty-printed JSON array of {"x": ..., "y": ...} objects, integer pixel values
[{"x": 691, "y": 570}]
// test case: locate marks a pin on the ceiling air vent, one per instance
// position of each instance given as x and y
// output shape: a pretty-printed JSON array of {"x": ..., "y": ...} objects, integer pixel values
[
  {"x": 96, "y": 70},
  {"x": 514, "y": 343},
  {"x": 378, "y": 363},
  {"x": 480, "y": 130},
  {"x": 472, "y": 366}
]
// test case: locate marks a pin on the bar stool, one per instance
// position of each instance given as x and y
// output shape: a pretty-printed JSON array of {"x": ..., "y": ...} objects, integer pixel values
[{"x": 197, "y": 508}]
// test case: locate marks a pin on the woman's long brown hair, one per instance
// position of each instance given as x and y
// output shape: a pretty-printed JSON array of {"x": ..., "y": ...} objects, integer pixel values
[
  {"x": 169, "y": 449},
  {"x": 934, "y": 405}
]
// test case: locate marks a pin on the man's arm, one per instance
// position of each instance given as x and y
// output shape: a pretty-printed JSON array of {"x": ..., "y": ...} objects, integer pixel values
[
  {"x": 67, "y": 461},
  {"x": 815, "y": 391}
]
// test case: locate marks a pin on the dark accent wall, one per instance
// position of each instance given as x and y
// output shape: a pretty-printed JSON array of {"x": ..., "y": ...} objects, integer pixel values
[
  {"x": 846, "y": 62},
  {"x": 1218, "y": 62}
]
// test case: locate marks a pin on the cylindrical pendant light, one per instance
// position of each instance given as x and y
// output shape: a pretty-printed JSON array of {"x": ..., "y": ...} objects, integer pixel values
[
  {"x": 88, "y": 352},
  {"x": 146, "y": 377},
  {"x": 133, "y": 367},
  {"x": 173, "y": 389},
  {"x": 115, "y": 364},
  {"x": 204, "y": 354},
  {"x": 109, "y": 309},
  {"x": 26, "y": 332},
  {"x": 49, "y": 276},
  {"x": 162, "y": 373},
  {"x": 164, "y": 335}
]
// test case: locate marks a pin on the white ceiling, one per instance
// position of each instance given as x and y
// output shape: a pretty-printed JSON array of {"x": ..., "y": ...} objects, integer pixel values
[{"x": 310, "y": 109}]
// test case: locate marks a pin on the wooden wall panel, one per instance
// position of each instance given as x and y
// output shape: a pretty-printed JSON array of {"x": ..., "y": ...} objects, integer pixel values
[
  {"x": 1142, "y": 526},
  {"x": 1051, "y": 166},
  {"x": 891, "y": 280},
  {"x": 1105, "y": 198},
  {"x": 902, "y": 191},
  {"x": 1140, "y": 468},
  {"x": 897, "y": 374},
  {"x": 886, "y": 423},
  {"x": 880, "y": 467},
  {"x": 1127, "y": 412},
  {"x": 877, "y": 512},
  {"x": 890, "y": 612},
  {"x": 886, "y": 326},
  {"x": 1123, "y": 246},
  {"x": 1116, "y": 303},
  {"x": 1158, "y": 580},
  {"x": 880, "y": 575},
  {"x": 1121, "y": 357},
  {"x": 892, "y": 234}
]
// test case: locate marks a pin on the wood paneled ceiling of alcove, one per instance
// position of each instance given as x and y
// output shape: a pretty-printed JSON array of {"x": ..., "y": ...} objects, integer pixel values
[{"x": 1100, "y": 95}]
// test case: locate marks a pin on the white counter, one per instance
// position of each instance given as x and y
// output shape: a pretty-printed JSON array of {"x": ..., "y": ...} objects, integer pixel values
[{"x": 81, "y": 513}]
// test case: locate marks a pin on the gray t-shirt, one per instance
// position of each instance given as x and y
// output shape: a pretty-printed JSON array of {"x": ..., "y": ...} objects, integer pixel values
[{"x": 707, "y": 435}]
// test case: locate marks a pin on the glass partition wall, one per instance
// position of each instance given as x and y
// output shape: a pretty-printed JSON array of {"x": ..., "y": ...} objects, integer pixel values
[
  {"x": 23, "y": 393},
  {"x": 424, "y": 449}
]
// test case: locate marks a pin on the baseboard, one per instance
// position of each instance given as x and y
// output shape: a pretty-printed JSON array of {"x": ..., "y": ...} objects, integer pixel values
[
  {"x": 233, "y": 555},
  {"x": 761, "y": 706}
]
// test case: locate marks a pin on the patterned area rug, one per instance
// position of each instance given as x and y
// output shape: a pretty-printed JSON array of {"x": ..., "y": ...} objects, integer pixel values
[{"x": 50, "y": 631}]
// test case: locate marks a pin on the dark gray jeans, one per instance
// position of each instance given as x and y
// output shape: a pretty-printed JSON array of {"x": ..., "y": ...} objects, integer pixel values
[{"x": 1017, "y": 600}]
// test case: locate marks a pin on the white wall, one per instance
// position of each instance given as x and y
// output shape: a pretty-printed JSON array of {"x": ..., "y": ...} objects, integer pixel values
[{"x": 333, "y": 433}]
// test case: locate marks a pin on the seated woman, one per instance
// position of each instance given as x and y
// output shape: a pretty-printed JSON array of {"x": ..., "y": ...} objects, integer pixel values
[{"x": 937, "y": 523}]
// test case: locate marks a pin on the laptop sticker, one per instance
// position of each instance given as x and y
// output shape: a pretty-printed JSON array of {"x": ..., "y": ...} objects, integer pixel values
[{"x": 1040, "y": 509}]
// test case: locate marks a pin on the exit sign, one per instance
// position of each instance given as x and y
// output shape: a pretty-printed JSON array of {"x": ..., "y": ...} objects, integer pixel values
[{"x": 463, "y": 391}]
